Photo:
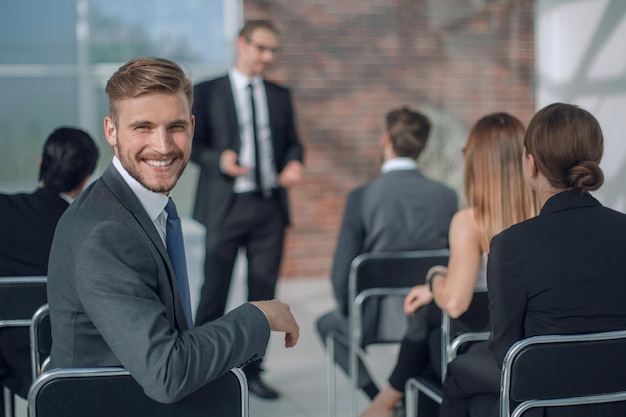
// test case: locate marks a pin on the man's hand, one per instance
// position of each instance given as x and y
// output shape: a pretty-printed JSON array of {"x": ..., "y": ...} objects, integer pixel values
[
  {"x": 229, "y": 165},
  {"x": 291, "y": 174},
  {"x": 281, "y": 320}
]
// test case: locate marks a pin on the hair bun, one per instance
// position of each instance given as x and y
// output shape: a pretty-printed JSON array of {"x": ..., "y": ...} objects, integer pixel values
[{"x": 585, "y": 176}]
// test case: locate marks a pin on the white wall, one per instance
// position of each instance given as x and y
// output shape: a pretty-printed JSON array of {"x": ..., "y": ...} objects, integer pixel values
[{"x": 581, "y": 59}]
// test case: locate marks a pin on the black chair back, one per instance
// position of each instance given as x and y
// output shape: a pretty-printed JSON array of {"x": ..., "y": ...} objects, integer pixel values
[
  {"x": 378, "y": 283},
  {"x": 548, "y": 371},
  {"x": 20, "y": 297},
  {"x": 395, "y": 269},
  {"x": 106, "y": 392}
]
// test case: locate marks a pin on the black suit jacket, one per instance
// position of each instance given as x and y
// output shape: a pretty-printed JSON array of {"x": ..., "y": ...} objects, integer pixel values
[
  {"x": 27, "y": 223},
  {"x": 561, "y": 272},
  {"x": 217, "y": 129}
]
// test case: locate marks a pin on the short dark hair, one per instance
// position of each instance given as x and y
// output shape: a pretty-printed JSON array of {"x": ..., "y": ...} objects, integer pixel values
[
  {"x": 69, "y": 156},
  {"x": 251, "y": 25},
  {"x": 408, "y": 130}
]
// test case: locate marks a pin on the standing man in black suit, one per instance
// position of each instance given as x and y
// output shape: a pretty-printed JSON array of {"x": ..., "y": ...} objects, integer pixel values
[
  {"x": 401, "y": 209},
  {"x": 27, "y": 224},
  {"x": 249, "y": 153}
]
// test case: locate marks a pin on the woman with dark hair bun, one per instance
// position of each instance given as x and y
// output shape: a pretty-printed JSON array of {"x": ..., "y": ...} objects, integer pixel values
[{"x": 561, "y": 272}]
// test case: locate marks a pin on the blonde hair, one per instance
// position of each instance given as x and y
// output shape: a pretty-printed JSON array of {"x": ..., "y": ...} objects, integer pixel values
[
  {"x": 143, "y": 76},
  {"x": 494, "y": 179}
]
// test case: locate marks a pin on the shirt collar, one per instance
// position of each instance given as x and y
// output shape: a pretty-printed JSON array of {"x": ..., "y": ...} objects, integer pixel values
[
  {"x": 153, "y": 203},
  {"x": 240, "y": 80},
  {"x": 67, "y": 198},
  {"x": 396, "y": 164}
]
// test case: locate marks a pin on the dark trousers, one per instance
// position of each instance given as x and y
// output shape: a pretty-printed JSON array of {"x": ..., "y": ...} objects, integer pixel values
[
  {"x": 255, "y": 223},
  {"x": 335, "y": 322},
  {"x": 420, "y": 347},
  {"x": 472, "y": 375}
]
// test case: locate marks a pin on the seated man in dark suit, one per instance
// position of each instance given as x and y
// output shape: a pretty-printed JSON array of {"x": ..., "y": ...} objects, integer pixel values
[
  {"x": 399, "y": 210},
  {"x": 117, "y": 281},
  {"x": 28, "y": 221}
]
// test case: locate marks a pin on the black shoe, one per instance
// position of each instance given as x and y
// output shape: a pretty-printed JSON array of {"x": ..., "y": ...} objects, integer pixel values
[{"x": 259, "y": 388}]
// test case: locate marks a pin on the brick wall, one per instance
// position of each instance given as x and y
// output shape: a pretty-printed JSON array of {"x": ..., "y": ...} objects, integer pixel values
[{"x": 350, "y": 61}]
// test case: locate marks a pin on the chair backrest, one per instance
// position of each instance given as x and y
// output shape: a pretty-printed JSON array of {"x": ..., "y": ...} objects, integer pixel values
[
  {"x": 106, "y": 392},
  {"x": 378, "y": 283},
  {"x": 20, "y": 297},
  {"x": 40, "y": 340},
  {"x": 548, "y": 371}
]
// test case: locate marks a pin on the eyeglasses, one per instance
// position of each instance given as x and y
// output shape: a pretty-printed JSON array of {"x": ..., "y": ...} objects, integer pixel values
[{"x": 262, "y": 48}]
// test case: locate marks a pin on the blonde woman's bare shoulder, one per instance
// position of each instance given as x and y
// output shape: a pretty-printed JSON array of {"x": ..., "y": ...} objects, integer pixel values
[{"x": 464, "y": 227}]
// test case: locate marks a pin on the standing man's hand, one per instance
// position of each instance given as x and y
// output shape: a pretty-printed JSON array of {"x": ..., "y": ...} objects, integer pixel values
[
  {"x": 229, "y": 165},
  {"x": 291, "y": 174},
  {"x": 281, "y": 320}
]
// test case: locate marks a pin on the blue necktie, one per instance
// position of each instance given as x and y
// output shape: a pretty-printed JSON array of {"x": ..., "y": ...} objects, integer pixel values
[{"x": 176, "y": 250}]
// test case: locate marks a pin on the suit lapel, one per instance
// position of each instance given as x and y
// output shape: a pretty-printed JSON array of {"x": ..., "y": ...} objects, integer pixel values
[
  {"x": 271, "y": 110},
  {"x": 129, "y": 200},
  {"x": 232, "y": 122}
]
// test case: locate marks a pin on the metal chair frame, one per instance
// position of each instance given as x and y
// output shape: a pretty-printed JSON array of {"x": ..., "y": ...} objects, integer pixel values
[
  {"x": 16, "y": 311},
  {"x": 40, "y": 340},
  {"x": 57, "y": 389},
  {"x": 450, "y": 347},
  {"x": 359, "y": 293},
  {"x": 591, "y": 346}
]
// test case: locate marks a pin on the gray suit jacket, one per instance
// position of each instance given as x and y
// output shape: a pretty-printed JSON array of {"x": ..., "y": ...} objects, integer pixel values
[
  {"x": 113, "y": 300},
  {"x": 399, "y": 210}
]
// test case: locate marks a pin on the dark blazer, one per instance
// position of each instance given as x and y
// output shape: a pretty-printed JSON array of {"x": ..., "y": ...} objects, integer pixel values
[
  {"x": 561, "y": 272},
  {"x": 27, "y": 223},
  {"x": 398, "y": 210},
  {"x": 217, "y": 129},
  {"x": 113, "y": 300}
]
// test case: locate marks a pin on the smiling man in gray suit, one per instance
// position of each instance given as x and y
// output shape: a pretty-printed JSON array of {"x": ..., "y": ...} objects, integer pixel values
[{"x": 112, "y": 288}]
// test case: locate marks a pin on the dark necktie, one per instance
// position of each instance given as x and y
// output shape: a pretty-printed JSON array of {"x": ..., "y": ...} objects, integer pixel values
[
  {"x": 257, "y": 156},
  {"x": 176, "y": 250}
]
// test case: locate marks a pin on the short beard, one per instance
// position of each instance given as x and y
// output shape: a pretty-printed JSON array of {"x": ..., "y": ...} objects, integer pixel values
[{"x": 162, "y": 189}]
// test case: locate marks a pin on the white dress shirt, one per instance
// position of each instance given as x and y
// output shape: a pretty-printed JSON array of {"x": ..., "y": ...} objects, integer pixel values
[{"x": 241, "y": 94}]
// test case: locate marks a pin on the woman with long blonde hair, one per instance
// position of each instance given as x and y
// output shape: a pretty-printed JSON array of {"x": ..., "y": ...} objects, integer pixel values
[{"x": 497, "y": 197}]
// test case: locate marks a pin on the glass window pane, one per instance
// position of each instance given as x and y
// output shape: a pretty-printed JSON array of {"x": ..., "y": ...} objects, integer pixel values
[
  {"x": 188, "y": 31},
  {"x": 37, "y": 32},
  {"x": 30, "y": 108}
]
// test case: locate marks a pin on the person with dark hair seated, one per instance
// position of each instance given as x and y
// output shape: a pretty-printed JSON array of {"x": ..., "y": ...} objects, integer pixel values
[
  {"x": 558, "y": 273},
  {"x": 28, "y": 222}
]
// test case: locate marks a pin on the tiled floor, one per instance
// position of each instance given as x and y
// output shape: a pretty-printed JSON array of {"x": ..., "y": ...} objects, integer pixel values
[{"x": 300, "y": 373}]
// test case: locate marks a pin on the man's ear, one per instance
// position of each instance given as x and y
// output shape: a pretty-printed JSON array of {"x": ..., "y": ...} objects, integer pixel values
[
  {"x": 386, "y": 139},
  {"x": 110, "y": 131}
]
